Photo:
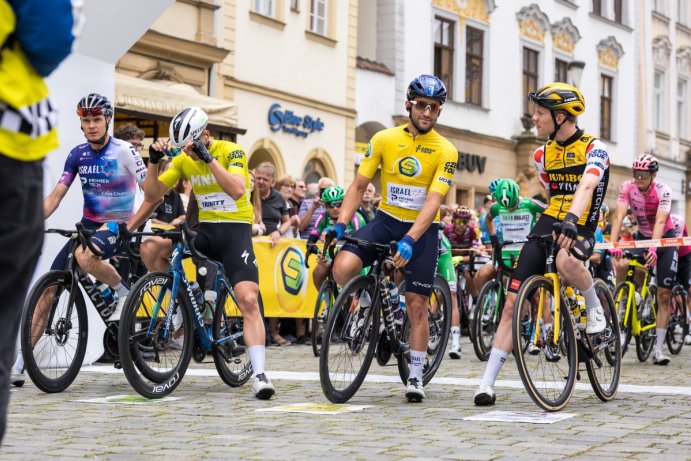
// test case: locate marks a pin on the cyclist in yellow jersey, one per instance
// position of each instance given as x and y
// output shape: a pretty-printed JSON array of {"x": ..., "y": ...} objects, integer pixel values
[
  {"x": 574, "y": 168},
  {"x": 221, "y": 184},
  {"x": 417, "y": 167}
]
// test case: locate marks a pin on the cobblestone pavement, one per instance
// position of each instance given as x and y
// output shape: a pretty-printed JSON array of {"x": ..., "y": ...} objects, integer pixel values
[{"x": 212, "y": 421}]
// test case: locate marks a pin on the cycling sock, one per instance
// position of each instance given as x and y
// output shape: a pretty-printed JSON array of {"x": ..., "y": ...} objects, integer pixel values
[
  {"x": 591, "y": 299},
  {"x": 417, "y": 360},
  {"x": 660, "y": 340},
  {"x": 257, "y": 359},
  {"x": 19, "y": 363},
  {"x": 121, "y": 290},
  {"x": 496, "y": 360},
  {"x": 455, "y": 336}
]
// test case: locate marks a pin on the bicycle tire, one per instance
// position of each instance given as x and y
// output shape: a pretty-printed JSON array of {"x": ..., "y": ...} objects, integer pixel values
[
  {"x": 604, "y": 366},
  {"x": 556, "y": 395},
  {"x": 621, "y": 300},
  {"x": 54, "y": 354},
  {"x": 677, "y": 318},
  {"x": 231, "y": 358},
  {"x": 440, "y": 326},
  {"x": 341, "y": 340},
  {"x": 321, "y": 312},
  {"x": 486, "y": 319},
  {"x": 645, "y": 340},
  {"x": 153, "y": 366}
]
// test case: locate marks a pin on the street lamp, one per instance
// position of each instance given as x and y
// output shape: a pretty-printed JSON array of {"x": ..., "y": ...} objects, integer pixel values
[{"x": 574, "y": 70}]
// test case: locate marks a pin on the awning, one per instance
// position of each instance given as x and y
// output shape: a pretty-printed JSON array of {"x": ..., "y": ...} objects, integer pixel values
[{"x": 165, "y": 98}]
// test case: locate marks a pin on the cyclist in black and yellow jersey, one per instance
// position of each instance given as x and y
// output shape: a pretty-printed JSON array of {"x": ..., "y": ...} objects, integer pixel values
[
  {"x": 221, "y": 184},
  {"x": 417, "y": 167},
  {"x": 574, "y": 168}
]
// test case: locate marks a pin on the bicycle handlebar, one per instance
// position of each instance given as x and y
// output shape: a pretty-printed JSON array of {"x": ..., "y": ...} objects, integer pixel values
[
  {"x": 548, "y": 239},
  {"x": 81, "y": 234}
]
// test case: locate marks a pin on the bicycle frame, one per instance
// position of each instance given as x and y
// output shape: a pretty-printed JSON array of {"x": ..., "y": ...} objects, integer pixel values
[{"x": 631, "y": 311}]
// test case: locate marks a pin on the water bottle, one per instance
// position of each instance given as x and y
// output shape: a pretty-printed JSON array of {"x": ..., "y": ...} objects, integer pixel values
[
  {"x": 107, "y": 294},
  {"x": 198, "y": 295},
  {"x": 210, "y": 297}
]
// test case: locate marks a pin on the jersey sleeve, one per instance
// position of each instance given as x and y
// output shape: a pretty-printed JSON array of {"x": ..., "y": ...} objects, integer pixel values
[
  {"x": 535, "y": 206},
  {"x": 237, "y": 161},
  {"x": 69, "y": 172},
  {"x": 172, "y": 175},
  {"x": 596, "y": 159},
  {"x": 373, "y": 156},
  {"x": 446, "y": 167},
  {"x": 134, "y": 163},
  {"x": 494, "y": 210},
  {"x": 624, "y": 193},
  {"x": 664, "y": 195},
  {"x": 539, "y": 163}
]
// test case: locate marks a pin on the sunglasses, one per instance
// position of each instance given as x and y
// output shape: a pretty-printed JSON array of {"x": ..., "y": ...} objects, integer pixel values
[
  {"x": 137, "y": 145},
  {"x": 461, "y": 221},
  {"x": 642, "y": 174},
  {"x": 334, "y": 205},
  {"x": 422, "y": 106},
  {"x": 93, "y": 111}
]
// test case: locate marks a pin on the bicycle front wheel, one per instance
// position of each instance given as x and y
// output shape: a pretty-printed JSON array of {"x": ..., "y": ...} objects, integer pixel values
[
  {"x": 645, "y": 341},
  {"x": 54, "y": 332},
  {"x": 678, "y": 327},
  {"x": 439, "y": 318},
  {"x": 624, "y": 313},
  {"x": 154, "y": 355},
  {"x": 230, "y": 351},
  {"x": 487, "y": 318},
  {"x": 349, "y": 339},
  {"x": 604, "y": 366},
  {"x": 325, "y": 299},
  {"x": 548, "y": 370}
]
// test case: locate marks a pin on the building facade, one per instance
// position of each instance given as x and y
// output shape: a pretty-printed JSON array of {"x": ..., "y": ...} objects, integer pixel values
[{"x": 490, "y": 54}]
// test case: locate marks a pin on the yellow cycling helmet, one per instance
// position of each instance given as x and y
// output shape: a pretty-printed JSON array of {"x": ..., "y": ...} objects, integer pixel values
[{"x": 560, "y": 96}]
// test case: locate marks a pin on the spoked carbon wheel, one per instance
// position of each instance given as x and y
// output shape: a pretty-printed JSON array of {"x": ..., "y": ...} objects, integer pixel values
[
  {"x": 604, "y": 366},
  {"x": 548, "y": 370},
  {"x": 645, "y": 341},
  {"x": 230, "y": 351},
  {"x": 349, "y": 340},
  {"x": 486, "y": 319},
  {"x": 154, "y": 357},
  {"x": 439, "y": 318},
  {"x": 621, "y": 301},
  {"x": 678, "y": 327},
  {"x": 54, "y": 334},
  {"x": 325, "y": 299}
]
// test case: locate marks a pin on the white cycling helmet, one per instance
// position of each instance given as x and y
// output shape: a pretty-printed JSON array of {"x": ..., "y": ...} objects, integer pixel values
[{"x": 187, "y": 125}]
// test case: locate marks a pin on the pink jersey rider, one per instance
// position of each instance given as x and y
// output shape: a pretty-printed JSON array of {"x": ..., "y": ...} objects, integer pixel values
[{"x": 646, "y": 205}]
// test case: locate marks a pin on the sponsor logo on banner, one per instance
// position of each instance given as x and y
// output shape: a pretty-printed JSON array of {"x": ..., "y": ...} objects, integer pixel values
[{"x": 290, "y": 278}]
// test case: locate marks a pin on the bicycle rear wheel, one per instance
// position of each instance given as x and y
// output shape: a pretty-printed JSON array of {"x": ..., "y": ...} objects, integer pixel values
[
  {"x": 678, "y": 327},
  {"x": 548, "y": 375},
  {"x": 54, "y": 334},
  {"x": 230, "y": 351},
  {"x": 604, "y": 366},
  {"x": 621, "y": 301},
  {"x": 486, "y": 319},
  {"x": 645, "y": 341},
  {"x": 349, "y": 340},
  {"x": 439, "y": 318},
  {"x": 155, "y": 358},
  {"x": 325, "y": 300}
]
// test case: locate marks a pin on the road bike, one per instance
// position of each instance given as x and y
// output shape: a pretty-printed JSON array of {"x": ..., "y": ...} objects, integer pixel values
[
  {"x": 328, "y": 292},
  {"x": 637, "y": 309},
  {"x": 353, "y": 333},
  {"x": 557, "y": 330},
  {"x": 162, "y": 326},
  {"x": 678, "y": 320}
]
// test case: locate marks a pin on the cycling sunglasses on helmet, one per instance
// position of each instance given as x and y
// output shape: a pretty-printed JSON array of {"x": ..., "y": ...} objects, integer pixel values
[
  {"x": 642, "y": 174},
  {"x": 461, "y": 221},
  {"x": 334, "y": 205},
  {"x": 422, "y": 106},
  {"x": 93, "y": 111}
]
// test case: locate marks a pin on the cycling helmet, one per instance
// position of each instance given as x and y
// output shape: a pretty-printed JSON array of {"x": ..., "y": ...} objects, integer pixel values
[
  {"x": 559, "y": 96},
  {"x": 493, "y": 185},
  {"x": 94, "y": 104},
  {"x": 187, "y": 126},
  {"x": 463, "y": 212},
  {"x": 605, "y": 210},
  {"x": 507, "y": 193},
  {"x": 646, "y": 162},
  {"x": 333, "y": 194},
  {"x": 427, "y": 86}
]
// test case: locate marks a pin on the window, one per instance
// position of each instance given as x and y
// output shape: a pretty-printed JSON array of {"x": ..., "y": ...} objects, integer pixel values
[
  {"x": 530, "y": 77},
  {"x": 618, "y": 11},
  {"x": 443, "y": 52},
  {"x": 682, "y": 109},
  {"x": 318, "y": 18},
  {"x": 659, "y": 6},
  {"x": 606, "y": 107},
  {"x": 265, "y": 7},
  {"x": 658, "y": 99},
  {"x": 561, "y": 71},
  {"x": 597, "y": 7},
  {"x": 474, "y": 51},
  {"x": 295, "y": 5},
  {"x": 682, "y": 12}
]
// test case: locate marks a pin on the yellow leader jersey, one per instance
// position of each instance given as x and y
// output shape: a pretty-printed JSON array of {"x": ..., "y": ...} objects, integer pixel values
[
  {"x": 214, "y": 204},
  {"x": 410, "y": 168}
]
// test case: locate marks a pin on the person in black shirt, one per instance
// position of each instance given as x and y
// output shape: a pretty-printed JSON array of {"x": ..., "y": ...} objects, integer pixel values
[
  {"x": 274, "y": 211},
  {"x": 367, "y": 209},
  {"x": 171, "y": 211}
]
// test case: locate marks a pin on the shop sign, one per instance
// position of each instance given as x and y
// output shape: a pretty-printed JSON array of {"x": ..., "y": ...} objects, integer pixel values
[
  {"x": 288, "y": 122},
  {"x": 471, "y": 162}
]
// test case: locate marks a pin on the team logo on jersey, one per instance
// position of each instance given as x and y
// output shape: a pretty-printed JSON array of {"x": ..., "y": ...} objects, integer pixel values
[
  {"x": 368, "y": 151},
  {"x": 409, "y": 166}
]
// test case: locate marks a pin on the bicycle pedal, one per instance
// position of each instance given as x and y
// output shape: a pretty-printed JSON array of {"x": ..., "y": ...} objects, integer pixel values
[{"x": 117, "y": 365}]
